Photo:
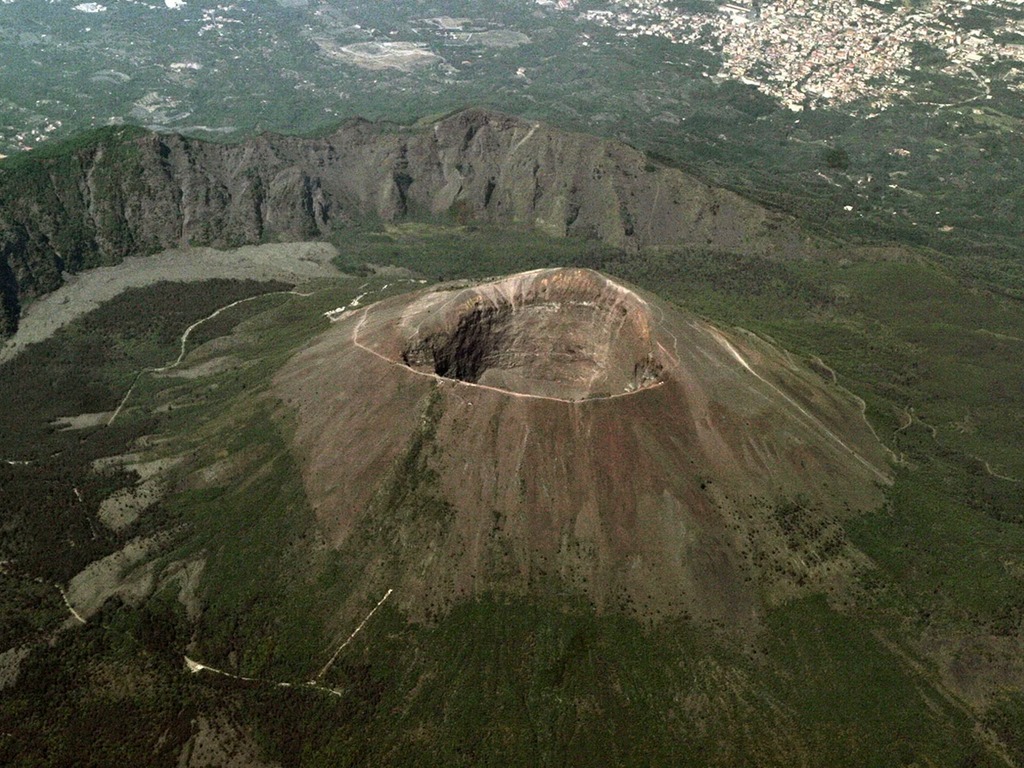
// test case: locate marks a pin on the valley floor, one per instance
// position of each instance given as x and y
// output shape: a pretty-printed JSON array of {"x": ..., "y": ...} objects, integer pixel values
[{"x": 82, "y": 293}]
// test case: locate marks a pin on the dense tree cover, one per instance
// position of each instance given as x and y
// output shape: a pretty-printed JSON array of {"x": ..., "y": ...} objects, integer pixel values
[
  {"x": 49, "y": 491},
  {"x": 108, "y": 694},
  {"x": 88, "y": 367}
]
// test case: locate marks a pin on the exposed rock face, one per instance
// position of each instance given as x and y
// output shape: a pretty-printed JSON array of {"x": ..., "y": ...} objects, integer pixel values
[
  {"x": 570, "y": 334},
  {"x": 557, "y": 425},
  {"x": 134, "y": 196}
]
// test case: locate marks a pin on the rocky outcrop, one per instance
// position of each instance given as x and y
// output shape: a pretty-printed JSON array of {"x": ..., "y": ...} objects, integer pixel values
[{"x": 129, "y": 193}]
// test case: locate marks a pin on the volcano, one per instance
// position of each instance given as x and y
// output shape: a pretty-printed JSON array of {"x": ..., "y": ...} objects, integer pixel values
[{"x": 556, "y": 429}]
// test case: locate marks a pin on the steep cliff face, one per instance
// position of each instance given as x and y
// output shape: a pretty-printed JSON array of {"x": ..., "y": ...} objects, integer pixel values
[{"x": 136, "y": 193}]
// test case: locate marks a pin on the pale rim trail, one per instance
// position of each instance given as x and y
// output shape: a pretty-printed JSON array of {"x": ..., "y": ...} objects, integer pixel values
[
  {"x": 445, "y": 380},
  {"x": 458, "y": 382}
]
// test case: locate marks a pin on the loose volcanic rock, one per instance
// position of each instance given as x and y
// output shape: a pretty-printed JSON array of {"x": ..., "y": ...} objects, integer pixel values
[
  {"x": 570, "y": 334},
  {"x": 555, "y": 427}
]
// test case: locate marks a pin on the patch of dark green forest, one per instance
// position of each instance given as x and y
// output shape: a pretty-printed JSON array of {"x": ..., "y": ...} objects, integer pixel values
[
  {"x": 50, "y": 492},
  {"x": 508, "y": 682},
  {"x": 88, "y": 366}
]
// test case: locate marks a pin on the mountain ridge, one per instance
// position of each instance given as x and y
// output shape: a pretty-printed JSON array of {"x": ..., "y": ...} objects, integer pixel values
[
  {"x": 126, "y": 193},
  {"x": 557, "y": 425}
]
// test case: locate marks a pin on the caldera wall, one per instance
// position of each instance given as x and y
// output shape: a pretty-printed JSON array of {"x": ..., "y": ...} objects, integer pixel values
[{"x": 137, "y": 194}]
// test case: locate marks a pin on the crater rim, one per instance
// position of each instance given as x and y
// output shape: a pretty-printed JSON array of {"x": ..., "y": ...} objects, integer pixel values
[{"x": 567, "y": 334}]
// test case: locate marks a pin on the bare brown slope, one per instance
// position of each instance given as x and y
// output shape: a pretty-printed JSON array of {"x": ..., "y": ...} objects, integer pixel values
[
  {"x": 107, "y": 201},
  {"x": 655, "y": 498}
]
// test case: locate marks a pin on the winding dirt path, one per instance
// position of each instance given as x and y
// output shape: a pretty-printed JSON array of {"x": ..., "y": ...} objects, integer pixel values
[
  {"x": 993, "y": 473},
  {"x": 905, "y": 414},
  {"x": 195, "y": 667},
  {"x": 184, "y": 342},
  {"x": 294, "y": 263},
  {"x": 912, "y": 417}
]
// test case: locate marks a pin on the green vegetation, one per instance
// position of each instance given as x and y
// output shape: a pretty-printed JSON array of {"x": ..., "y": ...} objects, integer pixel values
[
  {"x": 950, "y": 147},
  {"x": 42, "y": 158},
  {"x": 1005, "y": 719},
  {"x": 445, "y": 250},
  {"x": 506, "y": 679},
  {"x": 271, "y": 625},
  {"x": 919, "y": 665},
  {"x": 87, "y": 367},
  {"x": 106, "y": 695},
  {"x": 853, "y": 693}
]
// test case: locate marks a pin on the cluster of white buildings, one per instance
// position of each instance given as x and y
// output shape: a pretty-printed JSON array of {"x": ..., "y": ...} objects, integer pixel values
[
  {"x": 807, "y": 53},
  {"x": 30, "y": 137},
  {"x": 563, "y": 5}
]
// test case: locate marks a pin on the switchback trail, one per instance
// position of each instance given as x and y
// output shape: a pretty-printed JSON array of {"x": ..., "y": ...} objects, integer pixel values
[{"x": 195, "y": 667}]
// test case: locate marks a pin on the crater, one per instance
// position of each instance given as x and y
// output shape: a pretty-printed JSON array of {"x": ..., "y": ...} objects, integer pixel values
[
  {"x": 569, "y": 334},
  {"x": 648, "y": 502}
]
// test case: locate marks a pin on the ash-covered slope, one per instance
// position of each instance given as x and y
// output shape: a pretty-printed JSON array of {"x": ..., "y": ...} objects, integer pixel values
[
  {"x": 137, "y": 193},
  {"x": 555, "y": 427}
]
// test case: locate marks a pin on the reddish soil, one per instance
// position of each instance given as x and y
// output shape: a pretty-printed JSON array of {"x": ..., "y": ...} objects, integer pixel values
[{"x": 633, "y": 464}]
